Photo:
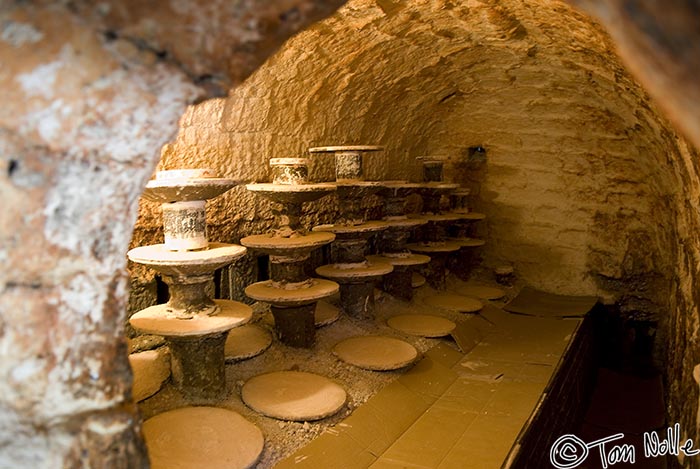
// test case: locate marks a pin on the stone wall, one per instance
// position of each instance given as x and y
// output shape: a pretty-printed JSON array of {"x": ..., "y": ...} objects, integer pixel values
[{"x": 90, "y": 93}]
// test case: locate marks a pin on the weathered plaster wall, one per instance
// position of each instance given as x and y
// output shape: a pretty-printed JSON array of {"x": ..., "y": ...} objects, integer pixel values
[
  {"x": 572, "y": 185},
  {"x": 87, "y": 104}
]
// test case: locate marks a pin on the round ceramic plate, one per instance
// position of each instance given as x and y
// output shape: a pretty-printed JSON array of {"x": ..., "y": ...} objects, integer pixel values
[
  {"x": 422, "y": 325},
  {"x": 482, "y": 291},
  {"x": 196, "y": 437},
  {"x": 246, "y": 342},
  {"x": 417, "y": 280},
  {"x": 150, "y": 368},
  {"x": 325, "y": 313},
  {"x": 293, "y": 395},
  {"x": 452, "y": 302},
  {"x": 376, "y": 353}
]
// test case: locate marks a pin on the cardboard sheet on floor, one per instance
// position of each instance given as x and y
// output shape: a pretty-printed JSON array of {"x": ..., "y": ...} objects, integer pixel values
[
  {"x": 373, "y": 427},
  {"x": 626, "y": 403},
  {"x": 466, "y": 336},
  {"x": 533, "y": 302}
]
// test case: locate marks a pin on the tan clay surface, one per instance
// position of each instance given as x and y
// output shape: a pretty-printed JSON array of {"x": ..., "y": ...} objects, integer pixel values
[
  {"x": 453, "y": 302},
  {"x": 403, "y": 259},
  {"x": 404, "y": 222},
  {"x": 472, "y": 216},
  {"x": 325, "y": 313},
  {"x": 468, "y": 242},
  {"x": 293, "y": 395},
  {"x": 279, "y": 246},
  {"x": 157, "y": 320},
  {"x": 340, "y": 148},
  {"x": 342, "y": 272},
  {"x": 169, "y": 262},
  {"x": 429, "y": 248},
  {"x": 165, "y": 190},
  {"x": 422, "y": 325},
  {"x": 246, "y": 342},
  {"x": 150, "y": 368},
  {"x": 482, "y": 291},
  {"x": 292, "y": 193},
  {"x": 265, "y": 291},
  {"x": 377, "y": 353},
  {"x": 417, "y": 280},
  {"x": 202, "y": 437},
  {"x": 367, "y": 227},
  {"x": 441, "y": 217}
]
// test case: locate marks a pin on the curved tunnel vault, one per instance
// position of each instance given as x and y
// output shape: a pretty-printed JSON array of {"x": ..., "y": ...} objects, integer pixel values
[{"x": 577, "y": 179}]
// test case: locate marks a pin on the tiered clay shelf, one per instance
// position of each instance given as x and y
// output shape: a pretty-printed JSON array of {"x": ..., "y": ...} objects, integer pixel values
[
  {"x": 194, "y": 325},
  {"x": 433, "y": 242},
  {"x": 291, "y": 293},
  {"x": 350, "y": 268},
  {"x": 437, "y": 239},
  {"x": 195, "y": 328},
  {"x": 394, "y": 238}
]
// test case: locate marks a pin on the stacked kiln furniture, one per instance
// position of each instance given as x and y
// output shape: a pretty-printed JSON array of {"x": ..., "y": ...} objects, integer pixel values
[
  {"x": 350, "y": 268},
  {"x": 194, "y": 325},
  {"x": 462, "y": 232},
  {"x": 195, "y": 328},
  {"x": 459, "y": 230},
  {"x": 434, "y": 233},
  {"x": 394, "y": 239},
  {"x": 291, "y": 293}
]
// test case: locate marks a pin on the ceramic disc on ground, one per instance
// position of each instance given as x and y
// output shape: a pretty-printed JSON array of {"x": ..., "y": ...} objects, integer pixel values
[
  {"x": 150, "y": 368},
  {"x": 196, "y": 437},
  {"x": 376, "y": 352},
  {"x": 325, "y": 314},
  {"x": 417, "y": 280},
  {"x": 423, "y": 325},
  {"x": 293, "y": 395},
  {"x": 246, "y": 342},
  {"x": 460, "y": 303},
  {"x": 482, "y": 291}
]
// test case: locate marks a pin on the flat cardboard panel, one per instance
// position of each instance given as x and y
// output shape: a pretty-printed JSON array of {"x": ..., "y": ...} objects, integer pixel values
[
  {"x": 330, "y": 450},
  {"x": 466, "y": 336},
  {"x": 429, "y": 439},
  {"x": 378, "y": 423},
  {"x": 538, "y": 303},
  {"x": 467, "y": 395},
  {"x": 487, "y": 441},
  {"x": 480, "y": 370},
  {"x": 428, "y": 379},
  {"x": 444, "y": 355},
  {"x": 515, "y": 399}
]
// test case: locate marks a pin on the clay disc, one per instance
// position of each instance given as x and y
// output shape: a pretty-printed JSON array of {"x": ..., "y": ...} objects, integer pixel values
[
  {"x": 246, "y": 342},
  {"x": 376, "y": 352},
  {"x": 293, "y": 395},
  {"x": 325, "y": 314},
  {"x": 417, "y": 280},
  {"x": 482, "y": 291},
  {"x": 422, "y": 325},
  {"x": 460, "y": 303},
  {"x": 195, "y": 437},
  {"x": 151, "y": 368}
]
